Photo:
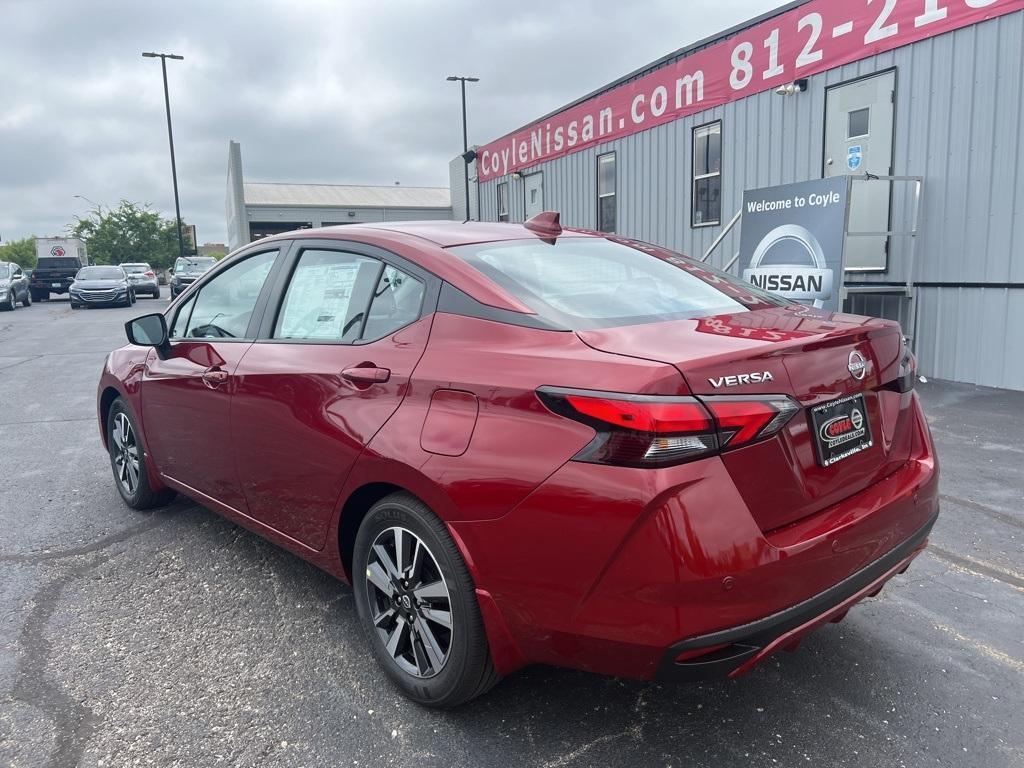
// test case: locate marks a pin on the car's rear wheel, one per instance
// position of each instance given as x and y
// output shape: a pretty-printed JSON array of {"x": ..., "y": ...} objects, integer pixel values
[
  {"x": 128, "y": 462},
  {"x": 417, "y": 603},
  {"x": 27, "y": 301}
]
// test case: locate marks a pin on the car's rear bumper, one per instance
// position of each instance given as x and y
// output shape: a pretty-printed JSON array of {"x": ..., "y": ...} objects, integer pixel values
[
  {"x": 616, "y": 570},
  {"x": 734, "y": 651}
]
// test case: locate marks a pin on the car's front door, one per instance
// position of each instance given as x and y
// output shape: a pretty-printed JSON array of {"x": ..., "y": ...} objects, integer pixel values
[
  {"x": 332, "y": 365},
  {"x": 19, "y": 282},
  {"x": 186, "y": 397}
]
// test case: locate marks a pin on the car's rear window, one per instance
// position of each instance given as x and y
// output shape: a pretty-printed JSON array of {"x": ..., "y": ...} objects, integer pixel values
[
  {"x": 135, "y": 269},
  {"x": 58, "y": 262},
  {"x": 582, "y": 283}
]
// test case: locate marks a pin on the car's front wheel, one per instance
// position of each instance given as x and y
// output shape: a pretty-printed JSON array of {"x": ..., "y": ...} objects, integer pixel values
[
  {"x": 127, "y": 460},
  {"x": 418, "y": 605},
  {"x": 9, "y": 302}
]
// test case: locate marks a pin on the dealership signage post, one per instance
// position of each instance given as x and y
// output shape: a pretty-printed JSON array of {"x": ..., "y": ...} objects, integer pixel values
[{"x": 792, "y": 239}]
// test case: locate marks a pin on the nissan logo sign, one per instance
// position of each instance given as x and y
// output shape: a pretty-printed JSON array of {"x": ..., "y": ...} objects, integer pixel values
[{"x": 857, "y": 366}]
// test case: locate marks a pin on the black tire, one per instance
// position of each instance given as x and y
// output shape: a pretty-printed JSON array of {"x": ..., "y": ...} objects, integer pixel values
[
  {"x": 76, "y": 306},
  {"x": 10, "y": 302},
  {"x": 466, "y": 671},
  {"x": 156, "y": 293},
  {"x": 27, "y": 301},
  {"x": 136, "y": 492}
]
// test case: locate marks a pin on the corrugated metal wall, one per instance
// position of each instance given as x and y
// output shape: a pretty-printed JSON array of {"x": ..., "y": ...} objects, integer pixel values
[{"x": 959, "y": 112}]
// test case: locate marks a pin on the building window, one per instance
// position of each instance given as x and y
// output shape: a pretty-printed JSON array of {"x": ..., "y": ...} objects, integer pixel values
[
  {"x": 606, "y": 192},
  {"x": 707, "y": 175},
  {"x": 858, "y": 121},
  {"x": 503, "y": 201}
]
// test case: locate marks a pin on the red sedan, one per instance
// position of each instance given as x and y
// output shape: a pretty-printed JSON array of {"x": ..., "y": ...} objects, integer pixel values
[{"x": 527, "y": 445}]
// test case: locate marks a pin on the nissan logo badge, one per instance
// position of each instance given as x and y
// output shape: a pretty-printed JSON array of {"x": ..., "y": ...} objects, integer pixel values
[{"x": 857, "y": 366}]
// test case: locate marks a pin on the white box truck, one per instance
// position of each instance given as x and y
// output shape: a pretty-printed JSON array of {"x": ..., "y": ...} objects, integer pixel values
[{"x": 58, "y": 260}]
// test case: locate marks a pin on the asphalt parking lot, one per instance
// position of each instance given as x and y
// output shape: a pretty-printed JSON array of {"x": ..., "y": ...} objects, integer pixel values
[{"x": 175, "y": 638}]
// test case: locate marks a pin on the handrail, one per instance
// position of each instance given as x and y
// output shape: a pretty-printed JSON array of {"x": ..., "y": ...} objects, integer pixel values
[{"x": 722, "y": 234}]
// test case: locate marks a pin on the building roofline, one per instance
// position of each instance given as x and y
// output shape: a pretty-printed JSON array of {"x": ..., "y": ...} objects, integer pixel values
[
  {"x": 328, "y": 184},
  {"x": 666, "y": 59},
  {"x": 353, "y": 207}
]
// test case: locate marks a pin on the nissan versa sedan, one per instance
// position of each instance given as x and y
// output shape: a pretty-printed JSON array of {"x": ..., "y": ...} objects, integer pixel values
[{"x": 522, "y": 444}]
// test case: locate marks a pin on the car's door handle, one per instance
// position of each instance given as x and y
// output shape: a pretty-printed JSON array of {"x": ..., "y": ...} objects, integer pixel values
[
  {"x": 214, "y": 377},
  {"x": 367, "y": 375}
]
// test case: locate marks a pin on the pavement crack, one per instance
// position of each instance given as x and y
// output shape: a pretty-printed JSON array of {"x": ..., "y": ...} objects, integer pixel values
[
  {"x": 970, "y": 564},
  {"x": 74, "y": 722},
  {"x": 975, "y": 506},
  {"x": 86, "y": 549},
  {"x": 47, "y": 421}
]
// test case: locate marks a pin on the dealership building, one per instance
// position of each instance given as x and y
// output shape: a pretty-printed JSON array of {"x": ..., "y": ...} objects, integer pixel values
[
  {"x": 919, "y": 103},
  {"x": 261, "y": 209}
]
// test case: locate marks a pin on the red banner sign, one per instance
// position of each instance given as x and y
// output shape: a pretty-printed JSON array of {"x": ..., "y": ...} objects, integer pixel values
[{"x": 812, "y": 38}]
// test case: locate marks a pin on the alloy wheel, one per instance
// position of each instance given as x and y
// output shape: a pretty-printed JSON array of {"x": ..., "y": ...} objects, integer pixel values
[
  {"x": 409, "y": 602},
  {"x": 126, "y": 453}
]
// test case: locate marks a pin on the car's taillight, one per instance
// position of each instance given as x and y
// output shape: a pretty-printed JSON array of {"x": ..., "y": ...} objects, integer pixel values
[
  {"x": 151, "y": 273},
  {"x": 904, "y": 382},
  {"x": 657, "y": 431},
  {"x": 744, "y": 419},
  {"x": 636, "y": 430}
]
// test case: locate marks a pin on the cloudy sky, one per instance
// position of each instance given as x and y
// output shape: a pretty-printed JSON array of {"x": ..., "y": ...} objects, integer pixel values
[{"x": 338, "y": 91}]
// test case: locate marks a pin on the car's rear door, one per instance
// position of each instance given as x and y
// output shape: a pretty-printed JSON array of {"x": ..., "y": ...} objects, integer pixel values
[
  {"x": 331, "y": 365},
  {"x": 186, "y": 397}
]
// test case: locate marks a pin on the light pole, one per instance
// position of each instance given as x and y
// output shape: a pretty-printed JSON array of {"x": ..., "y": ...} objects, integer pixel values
[
  {"x": 93, "y": 203},
  {"x": 170, "y": 138},
  {"x": 465, "y": 133}
]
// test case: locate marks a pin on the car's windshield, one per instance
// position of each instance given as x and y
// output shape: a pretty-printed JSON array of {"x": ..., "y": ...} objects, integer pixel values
[
  {"x": 5, "y": 271},
  {"x": 100, "y": 273},
  {"x": 582, "y": 283},
  {"x": 196, "y": 264},
  {"x": 134, "y": 269}
]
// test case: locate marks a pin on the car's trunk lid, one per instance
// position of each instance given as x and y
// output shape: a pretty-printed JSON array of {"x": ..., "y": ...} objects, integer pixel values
[{"x": 800, "y": 352}]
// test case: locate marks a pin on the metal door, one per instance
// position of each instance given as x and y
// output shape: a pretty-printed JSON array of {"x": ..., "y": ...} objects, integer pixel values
[
  {"x": 533, "y": 191},
  {"x": 858, "y": 139}
]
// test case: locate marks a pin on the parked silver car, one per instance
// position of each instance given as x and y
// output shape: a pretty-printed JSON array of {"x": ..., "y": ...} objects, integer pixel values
[
  {"x": 13, "y": 286},
  {"x": 142, "y": 278}
]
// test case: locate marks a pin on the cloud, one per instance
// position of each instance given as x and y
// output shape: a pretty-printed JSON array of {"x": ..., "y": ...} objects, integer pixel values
[{"x": 344, "y": 92}]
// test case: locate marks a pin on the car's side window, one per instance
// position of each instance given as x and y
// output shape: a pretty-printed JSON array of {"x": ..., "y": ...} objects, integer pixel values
[
  {"x": 397, "y": 301},
  {"x": 327, "y": 296},
  {"x": 181, "y": 319},
  {"x": 224, "y": 306}
]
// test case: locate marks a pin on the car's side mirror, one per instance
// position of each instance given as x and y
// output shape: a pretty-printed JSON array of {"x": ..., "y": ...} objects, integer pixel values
[{"x": 149, "y": 331}]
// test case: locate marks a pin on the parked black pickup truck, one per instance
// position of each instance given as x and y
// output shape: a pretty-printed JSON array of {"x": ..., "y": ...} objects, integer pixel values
[{"x": 53, "y": 274}]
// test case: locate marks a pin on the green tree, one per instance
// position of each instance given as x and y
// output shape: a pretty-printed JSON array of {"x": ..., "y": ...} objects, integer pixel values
[
  {"x": 21, "y": 252},
  {"x": 130, "y": 232}
]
